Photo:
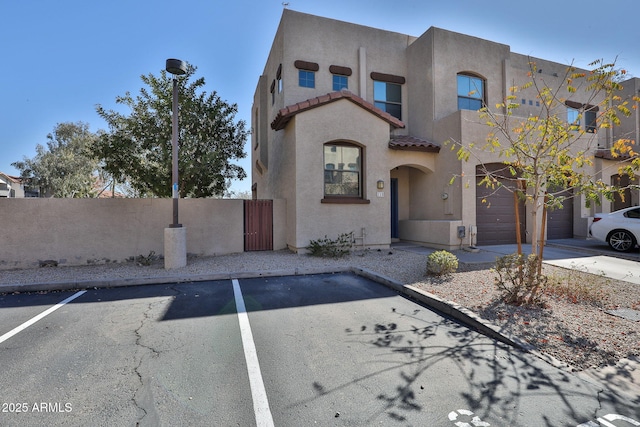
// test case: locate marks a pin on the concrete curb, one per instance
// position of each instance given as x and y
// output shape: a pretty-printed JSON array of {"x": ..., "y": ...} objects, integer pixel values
[
  {"x": 449, "y": 308},
  {"x": 163, "y": 280}
]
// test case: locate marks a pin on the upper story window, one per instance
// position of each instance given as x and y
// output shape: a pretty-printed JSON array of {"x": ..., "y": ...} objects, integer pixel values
[
  {"x": 577, "y": 111},
  {"x": 279, "y": 78},
  {"x": 273, "y": 92},
  {"x": 573, "y": 117},
  {"x": 340, "y": 82},
  {"x": 340, "y": 77},
  {"x": 388, "y": 97},
  {"x": 342, "y": 170},
  {"x": 470, "y": 92},
  {"x": 387, "y": 93},
  {"x": 590, "y": 121},
  {"x": 306, "y": 78},
  {"x": 306, "y": 73}
]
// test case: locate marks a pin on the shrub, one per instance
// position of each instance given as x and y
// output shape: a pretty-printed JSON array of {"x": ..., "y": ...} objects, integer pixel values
[
  {"x": 518, "y": 280},
  {"x": 442, "y": 263},
  {"x": 331, "y": 248},
  {"x": 146, "y": 260}
]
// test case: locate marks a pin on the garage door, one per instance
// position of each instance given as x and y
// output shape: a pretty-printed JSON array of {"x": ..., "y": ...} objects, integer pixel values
[
  {"x": 560, "y": 221},
  {"x": 496, "y": 219}
]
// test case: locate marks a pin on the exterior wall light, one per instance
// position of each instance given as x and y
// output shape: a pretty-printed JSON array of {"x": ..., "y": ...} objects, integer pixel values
[{"x": 380, "y": 184}]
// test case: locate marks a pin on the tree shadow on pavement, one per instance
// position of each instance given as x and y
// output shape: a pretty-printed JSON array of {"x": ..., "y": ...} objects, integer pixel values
[{"x": 476, "y": 380}]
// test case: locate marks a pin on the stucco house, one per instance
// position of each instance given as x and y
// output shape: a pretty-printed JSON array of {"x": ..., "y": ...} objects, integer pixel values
[
  {"x": 13, "y": 186},
  {"x": 349, "y": 124}
]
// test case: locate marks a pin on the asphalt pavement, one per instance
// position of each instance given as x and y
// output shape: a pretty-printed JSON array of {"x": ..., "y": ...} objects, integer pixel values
[
  {"x": 585, "y": 254},
  {"x": 322, "y": 349}
]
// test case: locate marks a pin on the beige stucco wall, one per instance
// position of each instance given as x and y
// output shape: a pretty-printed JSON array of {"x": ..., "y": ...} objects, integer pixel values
[
  {"x": 81, "y": 231},
  {"x": 338, "y": 121}
]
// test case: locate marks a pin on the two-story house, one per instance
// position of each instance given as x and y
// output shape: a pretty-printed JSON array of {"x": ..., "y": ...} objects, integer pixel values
[
  {"x": 349, "y": 124},
  {"x": 13, "y": 186}
]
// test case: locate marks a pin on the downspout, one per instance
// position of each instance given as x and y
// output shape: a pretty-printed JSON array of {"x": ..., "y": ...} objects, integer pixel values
[{"x": 362, "y": 58}]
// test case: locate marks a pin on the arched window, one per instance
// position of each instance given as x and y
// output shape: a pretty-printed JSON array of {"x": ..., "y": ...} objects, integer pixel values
[
  {"x": 342, "y": 170},
  {"x": 470, "y": 92}
]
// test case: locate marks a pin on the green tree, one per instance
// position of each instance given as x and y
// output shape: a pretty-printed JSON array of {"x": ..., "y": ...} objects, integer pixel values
[
  {"x": 64, "y": 168},
  {"x": 546, "y": 151},
  {"x": 137, "y": 147}
]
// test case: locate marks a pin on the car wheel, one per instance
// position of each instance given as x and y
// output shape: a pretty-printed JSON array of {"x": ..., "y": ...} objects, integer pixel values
[{"x": 621, "y": 241}]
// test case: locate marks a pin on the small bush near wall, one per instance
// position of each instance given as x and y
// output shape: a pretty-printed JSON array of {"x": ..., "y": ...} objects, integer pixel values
[
  {"x": 442, "y": 263},
  {"x": 331, "y": 248}
]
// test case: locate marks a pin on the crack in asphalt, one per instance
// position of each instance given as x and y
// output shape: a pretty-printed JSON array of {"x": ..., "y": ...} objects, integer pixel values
[{"x": 138, "y": 397}]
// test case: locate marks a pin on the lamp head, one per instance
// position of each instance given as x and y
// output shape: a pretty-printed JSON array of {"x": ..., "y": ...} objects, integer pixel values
[{"x": 176, "y": 67}]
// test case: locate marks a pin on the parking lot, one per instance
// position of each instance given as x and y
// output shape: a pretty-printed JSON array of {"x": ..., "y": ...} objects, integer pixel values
[{"x": 333, "y": 349}]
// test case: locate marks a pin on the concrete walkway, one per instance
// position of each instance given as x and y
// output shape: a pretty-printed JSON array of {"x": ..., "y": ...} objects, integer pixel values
[{"x": 586, "y": 255}]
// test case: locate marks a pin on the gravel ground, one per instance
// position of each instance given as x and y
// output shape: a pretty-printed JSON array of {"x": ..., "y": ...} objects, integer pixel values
[{"x": 573, "y": 326}]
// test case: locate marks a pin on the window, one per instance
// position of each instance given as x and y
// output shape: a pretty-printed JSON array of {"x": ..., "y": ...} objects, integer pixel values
[
  {"x": 633, "y": 213},
  {"x": 573, "y": 117},
  {"x": 279, "y": 78},
  {"x": 306, "y": 73},
  {"x": 577, "y": 111},
  {"x": 470, "y": 92},
  {"x": 590, "y": 121},
  {"x": 388, "y": 97},
  {"x": 340, "y": 76},
  {"x": 342, "y": 170},
  {"x": 306, "y": 78},
  {"x": 273, "y": 92},
  {"x": 340, "y": 82}
]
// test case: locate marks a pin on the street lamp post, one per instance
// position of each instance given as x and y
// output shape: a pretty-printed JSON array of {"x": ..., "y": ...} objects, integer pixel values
[
  {"x": 175, "y": 237},
  {"x": 177, "y": 68}
]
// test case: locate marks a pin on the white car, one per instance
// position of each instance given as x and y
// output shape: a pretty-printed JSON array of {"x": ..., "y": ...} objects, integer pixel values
[{"x": 620, "y": 229}]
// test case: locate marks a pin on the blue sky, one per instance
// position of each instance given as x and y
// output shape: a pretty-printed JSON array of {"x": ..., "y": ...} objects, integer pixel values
[{"x": 60, "y": 59}]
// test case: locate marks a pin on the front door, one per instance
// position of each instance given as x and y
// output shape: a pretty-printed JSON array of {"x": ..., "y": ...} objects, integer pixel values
[{"x": 394, "y": 208}]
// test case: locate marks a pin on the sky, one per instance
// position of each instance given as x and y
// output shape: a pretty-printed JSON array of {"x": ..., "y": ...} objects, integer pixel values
[{"x": 62, "y": 58}]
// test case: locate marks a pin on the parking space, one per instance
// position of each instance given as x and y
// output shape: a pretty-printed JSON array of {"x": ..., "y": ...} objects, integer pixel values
[{"x": 329, "y": 350}]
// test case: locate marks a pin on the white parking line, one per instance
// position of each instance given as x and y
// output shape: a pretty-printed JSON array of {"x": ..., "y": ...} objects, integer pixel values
[
  {"x": 33, "y": 320},
  {"x": 258, "y": 393}
]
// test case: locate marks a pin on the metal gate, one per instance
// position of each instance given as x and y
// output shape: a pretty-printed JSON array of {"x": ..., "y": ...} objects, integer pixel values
[{"x": 258, "y": 225}]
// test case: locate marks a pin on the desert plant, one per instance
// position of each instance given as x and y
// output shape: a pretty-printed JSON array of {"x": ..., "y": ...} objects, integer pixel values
[
  {"x": 146, "y": 260},
  {"x": 329, "y": 248},
  {"x": 519, "y": 281},
  {"x": 442, "y": 263}
]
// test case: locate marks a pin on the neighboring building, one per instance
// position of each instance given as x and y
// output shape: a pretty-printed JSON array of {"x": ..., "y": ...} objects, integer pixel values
[
  {"x": 349, "y": 124},
  {"x": 13, "y": 186}
]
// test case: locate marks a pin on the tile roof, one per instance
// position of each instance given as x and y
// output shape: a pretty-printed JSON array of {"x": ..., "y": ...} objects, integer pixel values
[
  {"x": 411, "y": 143},
  {"x": 14, "y": 179},
  {"x": 286, "y": 114}
]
